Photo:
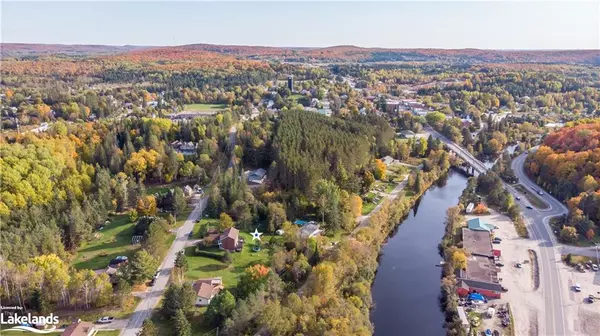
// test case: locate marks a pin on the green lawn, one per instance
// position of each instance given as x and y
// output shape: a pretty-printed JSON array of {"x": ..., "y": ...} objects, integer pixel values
[
  {"x": 113, "y": 240},
  {"x": 205, "y": 221},
  {"x": 204, "y": 107},
  {"x": 368, "y": 207},
  {"x": 202, "y": 267},
  {"x": 164, "y": 188},
  {"x": 531, "y": 197}
]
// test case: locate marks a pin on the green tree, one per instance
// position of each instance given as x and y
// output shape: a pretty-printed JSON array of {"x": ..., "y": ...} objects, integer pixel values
[
  {"x": 179, "y": 201},
  {"x": 219, "y": 308},
  {"x": 141, "y": 267},
  {"x": 568, "y": 234},
  {"x": 148, "y": 329},
  {"x": 225, "y": 221},
  {"x": 181, "y": 324},
  {"x": 276, "y": 216}
]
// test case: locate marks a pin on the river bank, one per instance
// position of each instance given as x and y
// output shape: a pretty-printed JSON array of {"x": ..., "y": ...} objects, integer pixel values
[{"x": 407, "y": 280}]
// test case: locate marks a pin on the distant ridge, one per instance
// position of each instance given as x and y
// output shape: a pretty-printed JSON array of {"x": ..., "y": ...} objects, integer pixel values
[{"x": 340, "y": 53}]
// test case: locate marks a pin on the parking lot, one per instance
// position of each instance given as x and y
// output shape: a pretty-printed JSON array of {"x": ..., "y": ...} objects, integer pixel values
[
  {"x": 526, "y": 301},
  {"x": 584, "y": 315}
]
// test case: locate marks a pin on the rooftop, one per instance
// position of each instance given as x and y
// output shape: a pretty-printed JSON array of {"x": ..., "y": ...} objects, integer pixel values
[
  {"x": 477, "y": 242},
  {"x": 479, "y": 224},
  {"x": 230, "y": 233},
  {"x": 480, "y": 269},
  {"x": 80, "y": 329}
]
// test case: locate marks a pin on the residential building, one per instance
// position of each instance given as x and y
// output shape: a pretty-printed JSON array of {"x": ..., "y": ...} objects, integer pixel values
[
  {"x": 185, "y": 148},
  {"x": 188, "y": 191},
  {"x": 229, "y": 239},
  {"x": 481, "y": 276},
  {"x": 207, "y": 289},
  {"x": 80, "y": 329},
  {"x": 407, "y": 134},
  {"x": 257, "y": 176},
  {"x": 478, "y": 224},
  {"x": 310, "y": 230}
]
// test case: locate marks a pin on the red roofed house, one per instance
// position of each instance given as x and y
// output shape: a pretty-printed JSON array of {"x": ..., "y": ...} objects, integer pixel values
[
  {"x": 206, "y": 289},
  {"x": 229, "y": 239},
  {"x": 80, "y": 329}
]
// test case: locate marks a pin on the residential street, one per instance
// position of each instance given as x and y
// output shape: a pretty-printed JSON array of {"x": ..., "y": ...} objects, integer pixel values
[{"x": 153, "y": 294}]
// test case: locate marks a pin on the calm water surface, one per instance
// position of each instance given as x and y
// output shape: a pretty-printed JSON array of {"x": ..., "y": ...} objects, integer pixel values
[{"x": 407, "y": 284}]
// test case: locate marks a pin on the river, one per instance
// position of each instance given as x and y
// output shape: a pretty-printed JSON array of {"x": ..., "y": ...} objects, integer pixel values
[{"x": 407, "y": 284}]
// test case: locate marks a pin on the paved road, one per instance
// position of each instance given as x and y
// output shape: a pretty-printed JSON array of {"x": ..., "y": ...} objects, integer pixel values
[
  {"x": 539, "y": 229},
  {"x": 537, "y": 225},
  {"x": 152, "y": 296}
]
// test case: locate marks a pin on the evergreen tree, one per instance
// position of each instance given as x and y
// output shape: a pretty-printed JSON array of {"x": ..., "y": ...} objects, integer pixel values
[
  {"x": 181, "y": 324},
  {"x": 148, "y": 329}
]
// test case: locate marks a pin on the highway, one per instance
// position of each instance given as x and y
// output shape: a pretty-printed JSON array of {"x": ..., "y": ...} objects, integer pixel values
[
  {"x": 152, "y": 296},
  {"x": 539, "y": 230}
]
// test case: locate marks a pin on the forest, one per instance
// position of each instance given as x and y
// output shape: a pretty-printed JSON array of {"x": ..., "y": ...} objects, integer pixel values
[{"x": 568, "y": 166}]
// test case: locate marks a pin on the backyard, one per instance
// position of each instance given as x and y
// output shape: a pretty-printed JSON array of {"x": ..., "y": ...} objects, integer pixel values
[
  {"x": 204, "y": 107},
  {"x": 203, "y": 266},
  {"x": 111, "y": 241}
]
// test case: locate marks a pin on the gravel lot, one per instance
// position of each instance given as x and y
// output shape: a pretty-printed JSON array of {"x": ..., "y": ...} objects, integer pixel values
[
  {"x": 526, "y": 302},
  {"x": 585, "y": 316}
]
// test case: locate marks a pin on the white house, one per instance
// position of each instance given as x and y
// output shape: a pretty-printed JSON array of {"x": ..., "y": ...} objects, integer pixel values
[{"x": 207, "y": 289}]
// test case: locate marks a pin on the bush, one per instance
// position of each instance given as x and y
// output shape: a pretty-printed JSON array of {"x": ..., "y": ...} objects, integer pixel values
[
  {"x": 227, "y": 257},
  {"x": 208, "y": 254}
]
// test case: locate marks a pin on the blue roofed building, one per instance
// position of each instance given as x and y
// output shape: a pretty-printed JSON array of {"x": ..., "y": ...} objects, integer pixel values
[{"x": 477, "y": 224}]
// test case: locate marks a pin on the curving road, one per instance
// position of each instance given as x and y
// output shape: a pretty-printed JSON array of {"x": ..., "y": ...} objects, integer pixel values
[{"x": 539, "y": 230}]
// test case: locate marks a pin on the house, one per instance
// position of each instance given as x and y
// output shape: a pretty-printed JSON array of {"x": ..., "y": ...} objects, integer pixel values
[
  {"x": 477, "y": 224},
  {"x": 207, "y": 289},
  {"x": 392, "y": 105},
  {"x": 257, "y": 176},
  {"x": 188, "y": 191},
  {"x": 407, "y": 134},
  {"x": 111, "y": 272},
  {"x": 80, "y": 329},
  {"x": 185, "y": 148},
  {"x": 481, "y": 276},
  {"x": 229, "y": 239},
  {"x": 310, "y": 230}
]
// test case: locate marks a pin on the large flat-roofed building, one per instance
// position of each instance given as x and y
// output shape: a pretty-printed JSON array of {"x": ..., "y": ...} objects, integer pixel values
[{"x": 477, "y": 242}]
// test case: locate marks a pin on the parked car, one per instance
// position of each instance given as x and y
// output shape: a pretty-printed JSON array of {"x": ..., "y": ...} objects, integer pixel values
[
  {"x": 105, "y": 319},
  {"x": 496, "y": 241},
  {"x": 518, "y": 265},
  {"x": 518, "y": 198},
  {"x": 594, "y": 267},
  {"x": 498, "y": 238},
  {"x": 191, "y": 234},
  {"x": 591, "y": 298},
  {"x": 577, "y": 287},
  {"x": 529, "y": 207},
  {"x": 499, "y": 264}
]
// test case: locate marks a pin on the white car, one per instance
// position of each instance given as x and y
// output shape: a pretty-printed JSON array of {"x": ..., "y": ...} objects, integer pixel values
[
  {"x": 105, "y": 319},
  {"x": 594, "y": 267},
  {"x": 577, "y": 287}
]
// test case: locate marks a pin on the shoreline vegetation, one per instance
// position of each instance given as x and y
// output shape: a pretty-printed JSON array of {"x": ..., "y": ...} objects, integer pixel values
[{"x": 390, "y": 217}]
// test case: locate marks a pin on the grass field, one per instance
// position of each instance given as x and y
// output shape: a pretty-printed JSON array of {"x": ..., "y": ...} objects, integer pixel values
[
  {"x": 164, "y": 188},
  {"x": 113, "y": 240},
  {"x": 202, "y": 267},
  {"x": 368, "y": 207},
  {"x": 204, "y": 107},
  {"x": 531, "y": 197}
]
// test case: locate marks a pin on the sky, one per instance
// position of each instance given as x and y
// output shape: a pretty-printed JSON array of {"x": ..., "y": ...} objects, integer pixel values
[{"x": 416, "y": 24}]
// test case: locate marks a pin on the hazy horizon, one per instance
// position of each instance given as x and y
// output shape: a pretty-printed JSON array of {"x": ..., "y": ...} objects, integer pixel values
[{"x": 389, "y": 25}]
